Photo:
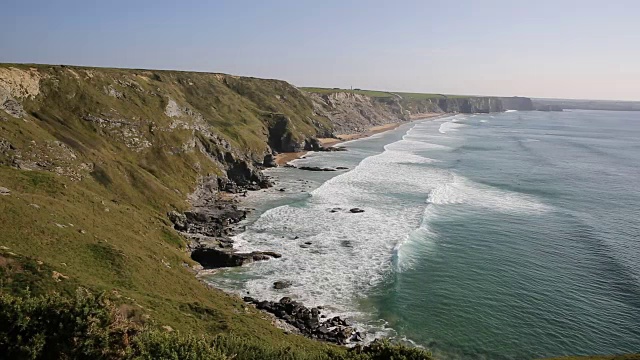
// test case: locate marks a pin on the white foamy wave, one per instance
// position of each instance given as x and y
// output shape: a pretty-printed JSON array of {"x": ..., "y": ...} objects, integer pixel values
[
  {"x": 410, "y": 146},
  {"x": 460, "y": 190},
  {"x": 333, "y": 257},
  {"x": 511, "y": 110},
  {"x": 449, "y": 126}
]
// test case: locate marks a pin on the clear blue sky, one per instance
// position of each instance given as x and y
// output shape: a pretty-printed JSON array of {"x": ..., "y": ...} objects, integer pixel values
[{"x": 560, "y": 48}]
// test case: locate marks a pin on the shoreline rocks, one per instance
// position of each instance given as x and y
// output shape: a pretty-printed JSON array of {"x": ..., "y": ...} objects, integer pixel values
[
  {"x": 210, "y": 224},
  {"x": 211, "y": 258},
  {"x": 309, "y": 321},
  {"x": 315, "y": 168}
]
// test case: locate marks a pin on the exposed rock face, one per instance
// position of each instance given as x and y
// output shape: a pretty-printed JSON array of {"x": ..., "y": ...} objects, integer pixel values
[
  {"x": 211, "y": 258},
  {"x": 470, "y": 105},
  {"x": 353, "y": 113},
  {"x": 517, "y": 103},
  {"x": 308, "y": 320},
  {"x": 4, "y": 191},
  {"x": 211, "y": 221},
  {"x": 313, "y": 144},
  {"x": 269, "y": 161},
  {"x": 281, "y": 134}
]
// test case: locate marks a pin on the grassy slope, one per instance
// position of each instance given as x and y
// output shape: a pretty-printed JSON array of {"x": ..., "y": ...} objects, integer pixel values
[
  {"x": 386, "y": 94},
  {"x": 126, "y": 243}
]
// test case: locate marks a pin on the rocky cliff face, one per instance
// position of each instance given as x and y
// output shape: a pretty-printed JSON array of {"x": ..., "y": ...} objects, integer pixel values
[
  {"x": 517, "y": 103},
  {"x": 469, "y": 105},
  {"x": 69, "y": 119},
  {"x": 352, "y": 113}
]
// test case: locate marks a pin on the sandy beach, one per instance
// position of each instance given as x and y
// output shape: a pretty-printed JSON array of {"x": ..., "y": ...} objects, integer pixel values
[{"x": 284, "y": 158}]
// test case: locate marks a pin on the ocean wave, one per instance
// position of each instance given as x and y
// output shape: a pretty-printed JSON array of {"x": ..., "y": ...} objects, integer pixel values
[
  {"x": 333, "y": 257},
  {"x": 464, "y": 191},
  {"x": 450, "y": 126}
]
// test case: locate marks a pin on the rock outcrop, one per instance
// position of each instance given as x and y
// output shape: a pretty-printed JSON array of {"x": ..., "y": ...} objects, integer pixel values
[
  {"x": 211, "y": 258},
  {"x": 310, "y": 321},
  {"x": 353, "y": 113},
  {"x": 517, "y": 103}
]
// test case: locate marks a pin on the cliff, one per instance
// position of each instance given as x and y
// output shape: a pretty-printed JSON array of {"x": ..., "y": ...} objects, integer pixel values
[
  {"x": 353, "y": 112},
  {"x": 92, "y": 161},
  {"x": 517, "y": 103},
  {"x": 356, "y": 110}
]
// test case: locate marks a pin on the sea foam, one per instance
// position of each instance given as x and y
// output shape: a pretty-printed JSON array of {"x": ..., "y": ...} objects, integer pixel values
[{"x": 332, "y": 256}]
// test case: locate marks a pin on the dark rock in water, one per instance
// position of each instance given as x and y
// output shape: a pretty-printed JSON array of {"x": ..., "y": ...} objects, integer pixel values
[
  {"x": 269, "y": 161},
  {"x": 342, "y": 168},
  {"x": 335, "y": 210},
  {"x": 216, "y": 258},
  {"x": 281, "y": 190},
  {"x": 248, "y": 299},
  {"x": 308, "y": 243},
  {"x": 356, "y": 210},
  {"x": 315, "y": 168},
  {"x": 279, "y": 285},
  {"x": 289, "y": 166}
]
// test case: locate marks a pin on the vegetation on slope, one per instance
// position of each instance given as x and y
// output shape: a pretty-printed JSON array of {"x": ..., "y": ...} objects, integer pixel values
[
  {"x": 93, "y": 159},
  {"x": 89, "y": 326}
]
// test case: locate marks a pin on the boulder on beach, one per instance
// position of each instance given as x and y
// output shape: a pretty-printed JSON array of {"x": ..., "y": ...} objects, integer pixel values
[{"x": 269, "y": 161}]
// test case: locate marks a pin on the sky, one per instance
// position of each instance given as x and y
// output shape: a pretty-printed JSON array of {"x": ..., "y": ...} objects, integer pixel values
[{"x": 562, "y": 48}]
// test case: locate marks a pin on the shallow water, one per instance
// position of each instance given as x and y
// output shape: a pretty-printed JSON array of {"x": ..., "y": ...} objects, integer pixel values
[{"x": 511, "y": 235}]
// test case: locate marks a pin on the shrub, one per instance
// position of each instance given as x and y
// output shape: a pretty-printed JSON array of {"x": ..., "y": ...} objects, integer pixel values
[
  {"x": 54, "y": 327},
  {"x": 90, "y": 327}
]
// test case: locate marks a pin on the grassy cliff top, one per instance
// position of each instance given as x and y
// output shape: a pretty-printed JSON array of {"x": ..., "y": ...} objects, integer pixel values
[{"x": 385, "y": 94}]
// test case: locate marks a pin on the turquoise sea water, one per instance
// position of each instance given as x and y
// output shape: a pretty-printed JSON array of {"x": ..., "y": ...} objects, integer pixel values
[{"x": 513, "y": 235}]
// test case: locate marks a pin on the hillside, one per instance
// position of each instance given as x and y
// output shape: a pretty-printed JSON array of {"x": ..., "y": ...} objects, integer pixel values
[{"x": 93, "y": 160}]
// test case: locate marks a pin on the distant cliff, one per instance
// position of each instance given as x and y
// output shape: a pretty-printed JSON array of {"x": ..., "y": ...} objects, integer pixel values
[
  {"x": 517, "y": 103},
  {"x": 357, "y": 110}
]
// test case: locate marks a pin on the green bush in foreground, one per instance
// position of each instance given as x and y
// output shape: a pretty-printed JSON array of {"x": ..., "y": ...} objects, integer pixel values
[{"x": 89, "y": 327}]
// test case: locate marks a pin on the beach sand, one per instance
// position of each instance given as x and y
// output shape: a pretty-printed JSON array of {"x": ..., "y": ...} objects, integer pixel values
[{"x": 284, "y": 158}]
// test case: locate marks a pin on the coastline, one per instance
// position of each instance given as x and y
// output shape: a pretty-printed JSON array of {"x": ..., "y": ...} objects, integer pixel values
[
  {"x": 284, "y": 158},
  {"x": 345, "y": 333}
]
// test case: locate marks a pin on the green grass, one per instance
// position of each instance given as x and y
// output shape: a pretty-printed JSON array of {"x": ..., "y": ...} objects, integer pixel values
[
  {"x": 386, "y": 94},
  {"x": 109, "y": 231},
  {"x": 371, "y": 93}
]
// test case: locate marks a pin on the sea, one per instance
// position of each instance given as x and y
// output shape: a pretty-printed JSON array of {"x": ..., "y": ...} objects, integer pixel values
[{"x": 511, "y": 235}]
